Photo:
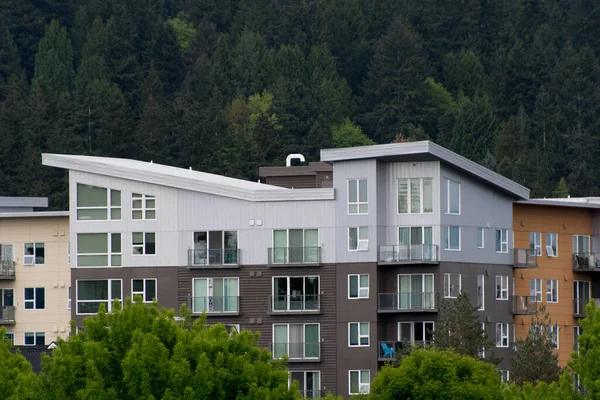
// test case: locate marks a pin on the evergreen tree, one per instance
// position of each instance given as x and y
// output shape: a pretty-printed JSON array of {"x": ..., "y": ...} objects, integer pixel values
[
  {"x": 463, "y": 73},
  {"x": 562, "y": 190},
  {"x": 348, "y": 134},
  {"x": 9, "y": 58}
]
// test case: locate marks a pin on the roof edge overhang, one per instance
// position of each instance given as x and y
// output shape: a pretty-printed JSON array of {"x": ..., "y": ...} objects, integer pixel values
[{"x": 34, "y": 214}]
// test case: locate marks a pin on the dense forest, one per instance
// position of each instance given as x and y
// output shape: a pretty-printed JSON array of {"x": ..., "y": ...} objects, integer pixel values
[{"x": 225, "y": 86}]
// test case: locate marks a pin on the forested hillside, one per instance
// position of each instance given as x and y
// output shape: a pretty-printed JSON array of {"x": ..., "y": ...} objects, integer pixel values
[{"x": 225, "y": 86}]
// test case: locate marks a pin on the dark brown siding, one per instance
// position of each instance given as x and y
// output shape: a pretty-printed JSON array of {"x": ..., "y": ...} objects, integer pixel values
[{"x": 294, "y": 182}]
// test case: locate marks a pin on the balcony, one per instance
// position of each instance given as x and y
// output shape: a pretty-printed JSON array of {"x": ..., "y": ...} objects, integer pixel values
[
  {"x": 524, "y": 258},
  {"x": 579, "y": 306},
  {"x": 7, "y": 315},
  {"x": 294, "y": 256},
  {"x": 7, "y": 270},
  {"x": 310, "y": 394},
  {"x": 524, "y": 305},
  {"x": 387, "y": 350},
  {"x": 408, "y": 254},
  {"x": 213, "y": 258},
  {"x": 586, "y": 262},
  {"x": 299, "y": 304},
  {"x": 215, "y": 305},
  {"x": 408, "y": 302},
  {"x": 297, "y": 352}
]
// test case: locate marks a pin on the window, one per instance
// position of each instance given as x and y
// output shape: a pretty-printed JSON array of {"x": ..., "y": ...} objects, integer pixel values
[
  {"x": 7, "y": 302},
  {"x": 359, "y": 382},
  {"x": 95, "y": 203},
  {"x": 535, "y": 289},
  {"x": 504, "y": 375},
  {"x": 90, "y": 294},
  {"x": 358, "y": 200},
  {"x": 416, "y": 333},
  {"x": 33, "y": 253},
  {"x": 451, "y": 285},
  {"x": 415, "y": 195},
  {"x": 502, "y": 335},
  {"x": 10, "y": 337},
  {"x": 577, "y": 331},
  {"x": 453, "y": 203},
  {"x": 146, "y": 288},
  {"x": 215, "y": 295},
  {"x": 501, "y": 240},
  {"x": 358, "y": 238},
  {"x": 215, "y": 248},
  {"x": 480, "y": 238},
  {"x": 535, "y": 243},
  {"x": 298, "y": 341},
  {"x": 552, "y": 244},
  {"x": 480, "y": 292},
  {"x": 143, "y": 206},
  {"x": 501, "y": 287},
  {"x": 98, "y": 249},
  {"x": 552, "y": 290},
  {"x": 143, "y": 243},
  {"x": 553, "y": 331},
  {"x": 35, "y": 298},
  {"x": 415, "y": 243},
  {"x": 7, "y": 255},
  {"x": 452, "y": 238},
  {"x": 416, "y": 292},
  {"x": 309, "y": 383},
  {"x": 295, "y": 293},
  {"x": 358, "y": 334},
  {"x": 69, "y": 298},
  {"x": 295, "y": 246},
  {"x": 581, "y": 244},
  {"x": 35, "y": 339},
  {"x": 358, "y": 286},
  {"x": 482, "y": 350}
]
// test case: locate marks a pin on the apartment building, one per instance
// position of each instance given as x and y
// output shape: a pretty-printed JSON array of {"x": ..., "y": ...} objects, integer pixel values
[
  {"x": 34, "y": 272},
  {"x": 334, "y": 275}
]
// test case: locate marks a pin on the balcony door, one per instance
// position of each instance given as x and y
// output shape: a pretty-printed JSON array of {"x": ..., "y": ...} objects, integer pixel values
[
  {"x": 7, "y": 299},
  {"x": 581, "y": 295},
  {"x": 292, "y": 293},
  {"x": 295, "y": 246},
  {"x": 7, "y": 254},
  {"x": 415, "y": 292},
  {"x": 215, "y": 295},
  {"x": 309, "y": 383},
  {"x": 298, "y": 341},
  {"x": 215, "y": 247},
  {"x": 415, "y": 243}
]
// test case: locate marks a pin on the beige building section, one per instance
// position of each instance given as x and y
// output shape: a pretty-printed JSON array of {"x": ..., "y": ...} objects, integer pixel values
[{"x": 54, "y": 275}]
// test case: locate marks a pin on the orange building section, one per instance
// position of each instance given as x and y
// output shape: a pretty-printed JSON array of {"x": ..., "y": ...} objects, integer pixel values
[{"x": 565, "y": 222}]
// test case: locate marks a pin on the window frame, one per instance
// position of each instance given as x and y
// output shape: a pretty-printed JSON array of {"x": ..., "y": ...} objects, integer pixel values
[
  {"x": 503, "y": 335},
  {"x": 424, "y": 331},
  {"x": 357, "y": 203},
  {"x": 288, "y": 295},
  {"x": 69, "y": 302},
  {"x": 210, "y": 281},
  {"x": 553, "y": 239},
  {"x": 109, "y": 207},
  {"x": 448, "y": 211},
  {"x": 360, "y": 336},
  {"x": 360, "y": 383},
  {"x": 482, "y": 296},
  {"x": 481, "y": 238},
  {"x": 535, "y": 243},
  {"x": 552, "y": 291},
  {"x": 504, "y": 376},
  {"x": 447, "y": 238},
  {"x": 588, "y": 240},
  {"x": 304, "y": 324},
  {"x": 143, "y": 245},
  {"x": 110, "y": 238},
  {"x": 144, "y": 290},
  {"x": 11, "y": 337},
  {"x": 503, "y": 296},
  {"x": 109, "y": 300},
  {"x": 144, "y": 198},
  {"x": 34, "y": 301},
  {"x": 448, "y": 285},
  {"x": 502, "y": 242},
  {"x": 34, "y": 259},
  {"x": 554, "y": 336},
  {"x": 358, "y": 286},
  {"x": 358, "y": 230},
  {"x": 409, "y": 209},
  {"x": 35, "y": 336},
  {"x": 536, "y": 291}
]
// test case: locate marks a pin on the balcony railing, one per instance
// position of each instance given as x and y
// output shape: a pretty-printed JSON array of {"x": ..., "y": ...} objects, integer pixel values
[
  {"x": 284, "y": 256},
  {"x": 310, "y": 394},
  {"x": 408, "y": 302},
  {"x": 408, "y": 254},
  {"x": 305, "y": 351},
  {"x": 387, "y": 350},
  {"x": 207, "y": 258},
  {"x": 7, "y": 315},
  {"x": 524, "y": 305},
  {"x": 586, "y": 262},
  {"x": 282, "y": 304},
  {"x": 524, "y": 258},
  {"x": 579, "y": 306},
  {"x": 7, "y": 269},
  {"x": 221, "y": 305}
]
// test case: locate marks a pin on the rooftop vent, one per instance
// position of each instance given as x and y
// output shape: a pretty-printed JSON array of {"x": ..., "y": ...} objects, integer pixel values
[{"x": 288, "y": 160}]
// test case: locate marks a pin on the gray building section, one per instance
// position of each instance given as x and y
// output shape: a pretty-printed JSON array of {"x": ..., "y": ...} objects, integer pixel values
[{"x": 22, "y": 204}]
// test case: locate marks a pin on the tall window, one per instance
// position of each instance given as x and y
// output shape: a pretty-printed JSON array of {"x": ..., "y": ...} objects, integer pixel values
[
  {"x": 358, "y": 238},
  {"x": 143, "y": 243},
  {"x": 145, "y": 288},
  {"x": 581, "y": 294},
  {"x": 451, "y": 285},
  {"x": 297, "y": 341},
  {"x": 577, "y": 331},
  {"x": 452, "y": 238},
  {"x": 480, "y": 238},
  {"x": 358, "y": 199},
  {"x": 415, "y": 292},
  {"x": 215, "y": 295},
  {"x": 420, "y": 333},
  {"x": 501, "y": 287},
  {"x": 552, "y": 290},
  {"x": 359, "y": 382},
  {"x": 535, "y": 243},
  {"x": 581, "y": 244},
  {"x": 552, "y": 244},
  {"x": 501, "y": 240},
  {"x": 96, "y": 203},
  {"x": 7, "y": 255},
  {"x": 215, "y": 247},
  {"x": 553, "y": 331},
  {"x": 502, "y": 335},
  {"x": 453, "y": 197},
  {"x": 295, "y": 293},
  {"x": 98, "y": 249},
  {"x": 34, "y": 253},
  {"x": 358, "y": 334},
  {"x": 480, "y": 292},
  {"x": 295, "y": 246},
  {"x": 504, "y": 375},
  {"x": 358, "y": 286},
  {"x": 415, "y": 195},
  {"x": 90, "y": 294},
  {"x": 35, "y": 298},
  {"x": 535, "y": 289},
  {"x": 7, "y": 299},
  {"x": 309, "y": 383},
  {"x": 143, "y": 206},
  {"x": 35, "y": 339},
  {"x": 10, "y": 337}
]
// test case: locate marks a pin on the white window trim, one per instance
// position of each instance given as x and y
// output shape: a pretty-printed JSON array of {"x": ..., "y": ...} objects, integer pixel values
[
  {"x": 552, "y": 329},
  {"x": 536, "y": 290},
  {"x": 210, "y": 282},
  {"x": 447, "y": 241},
  {"x": 481, "y": 234},
  {"x": 69, "y": 302},
  {"x": 318, "y": 324},
  {"x": 109, "y": 254},
  {"x": 358, "y": 203},
  {"x": 143, "y": 254},
  {"x": 504, "y": 379},
  {"x": 503, "y": 334},
  {"x": 34, "y": 298},
  {"x": 409, "y": 197},
  {"x": 448, "y": 180},
  {"x": 143, "y": 292},
  {"x": 34, "y": 256},
  {"x": 412, "y": 329},
  {"x": 358, "y": 239},
  {"x": 579, "y": 251},
  {"x": 503, "y": 288},
  {"x": 503, "y": 241},
  {"x": 143, "y": 198},
  {"x": 34, "y": 338},
  {"x": 108, "y": 207},
  {"x": 359, "y": 287},
  {"x": 360, "y": 336},
  {"x": 304, "y": 373},
  {"x": 360, "y": 384},
  {"x": 447, "y": 285},
  {"x": 537, "y": 242},
  {"x": 549, "y": 288},
  {"x": 109, "y": 301},
  {"x": 482, "y": 292},
  {"x": 549, "y": 246}
]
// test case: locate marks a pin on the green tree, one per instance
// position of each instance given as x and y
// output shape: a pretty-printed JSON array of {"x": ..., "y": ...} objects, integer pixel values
[
  {"x": 554, "y": 391},
  {"x": 585, "y": 361},
  {"x": 561, "y": 190},
  {"x": 184, "y": 30},
  {"x": 17, "y": 380},
  {"x": 348, "y": 134},
  {"x": 437, "y": 374},
  {"x": 464, "y": 73},
  {"x": 9, "y": 58}
]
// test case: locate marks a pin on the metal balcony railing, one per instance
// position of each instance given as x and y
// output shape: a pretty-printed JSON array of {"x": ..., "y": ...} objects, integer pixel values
[
  {"x": 524, "y": 305},
  {"x": 7, "y": 315},
  {"x": 305, "y": 351},
  {"x": 408, "y": 302},
  {"x": 524, "y": 258},
  {"x": 282, "y": 256},
  {"x": 215, "y": 304},
  {"x": 387, "y": 350},
  {"x": 309, "y": 303},
  {"x": 213, "y": 257},
  {"x": 586, "y": 262},
  {"x": 7, "y": 269},
  {"x": 579, "y": 306},
  {"x": 408, "y": 254}
]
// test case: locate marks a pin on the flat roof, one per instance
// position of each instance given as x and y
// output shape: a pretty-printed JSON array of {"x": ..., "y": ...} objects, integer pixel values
[
  {"x": 426, "y": 151},
  {"x": 34, "y": 214},
  {"x": 25, "y": 202},
  {"x": 576, "y": 202}
]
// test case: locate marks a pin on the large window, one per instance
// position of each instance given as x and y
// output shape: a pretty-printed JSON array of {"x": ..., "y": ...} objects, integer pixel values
[
  {"x": 535, "y": 289},
  {"x": 415, "y": 195},
  {"x": 295, "y": 246},
  {"x": 98, "y": 249},
  {"x": 90, "y": 294},
  {"x": 215, "y": 248},
  {"x": 143, "y": 243},
  {"x": 501, "y": 240},
  {"x": 577, "y": 331},
  {"x": 552, "y": 244},
  {"x": 7, "y": 255},
  {"x": 358, "y": 238},
  {"x": 35, "y": 298},
  {"x": 552, "y": 290},
  {"x": 216, "y": 295},
  {"x": 358, "y": 198},
  {"x": 453, "y": 199},
  {"x": 358, "y": 334},
  {"x": 451, "y": 285},
  {"x": 359, "y": 382},
  {"x": 415, "y": 243},
  {"x": 581, "y": 294},
  {"x": 581, "y": 244},
  {"x": 358, "y": 286},
  {"x": 452, "y": 238},
  {"x": 145, "y": 288},
  {"x": 535, "y": 243},
  {"x": 34, "y": 253},
  {"x": 309, "y": 383},
  {"x": 298, "y": 341},
  {"x": 143, "y": 206},
  {"x": 501, "y": 287},
  {"x": 502, "y": 334},
  {"x": 416, "y": 333},
  {"x": 96, "y": 203},
  {"x": 35, "y": 339},
  {"x": 415, "y": 292},
  {"x": 296, "y": 293},
  {"x": 480, "y": 292}
]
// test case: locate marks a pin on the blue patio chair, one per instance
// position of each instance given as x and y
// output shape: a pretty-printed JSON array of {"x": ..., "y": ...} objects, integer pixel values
[{"x": 387, "y": 351}]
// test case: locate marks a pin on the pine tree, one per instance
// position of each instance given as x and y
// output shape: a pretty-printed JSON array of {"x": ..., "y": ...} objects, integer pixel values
[
  {"x": 93, "y": 62},
  {"x": 562, "y": 189},
  {"x": 9, "y": 58}
]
